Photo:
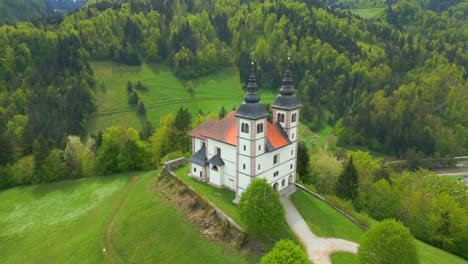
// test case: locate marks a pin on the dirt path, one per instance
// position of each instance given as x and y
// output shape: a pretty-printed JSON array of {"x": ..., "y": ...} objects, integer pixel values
[
  {"x": 318, "y": 248},
  {"x": 111, "y": 255},
  {"x": 115, "y": 111}
]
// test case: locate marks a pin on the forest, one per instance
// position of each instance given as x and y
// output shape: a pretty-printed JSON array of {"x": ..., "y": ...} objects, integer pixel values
[{"x": 396, "y": 84}]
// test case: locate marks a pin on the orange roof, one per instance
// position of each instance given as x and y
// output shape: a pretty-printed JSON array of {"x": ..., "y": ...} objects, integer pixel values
[
  {"x": 225, "y": 130},
  {"x": 275, "y": 136}
]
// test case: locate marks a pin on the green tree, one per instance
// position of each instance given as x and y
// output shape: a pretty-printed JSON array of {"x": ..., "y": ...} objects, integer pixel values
[
  {"x": 348, "y": 182},
  {"x": 326, "y": 170},
  {"x": 285, "y": 252},
  {"x": 133, "y": 98},
  {"x": 130, "y": 89},
  {"x": 303, "y": 162},
  {"x": 388, "y": 242},
  {"x": 53, "y": 167},
  {"x": 383, "y": 200},
  {"x": 222, "y": 112},
  {"x": 141, "y": 110},
  {"x": 260, "y": 208}
]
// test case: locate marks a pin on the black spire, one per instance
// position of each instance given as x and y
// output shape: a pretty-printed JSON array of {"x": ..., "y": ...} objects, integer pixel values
[
  {"x": 287, "y": 99},
  {"x": 251, "y": 108},
  {"x": 252, "y": 95}
]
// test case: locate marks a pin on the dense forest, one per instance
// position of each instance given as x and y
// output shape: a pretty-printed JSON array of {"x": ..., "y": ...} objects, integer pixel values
[{"x": 396, "y": 84}]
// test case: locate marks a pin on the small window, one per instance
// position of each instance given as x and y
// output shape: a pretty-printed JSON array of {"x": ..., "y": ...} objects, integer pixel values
[
  {"x": 258, "y": 166},
  {"x": 214, "y": 168},
  {"x": 283, "y": 182},
  {"x": 245, "y": 148},
  {"x": 203, "y": 144},
  {"x": 280, "y": 117},
  {"x": 292, "y": 151},
  {"x": 292, "y": 135},
  {"x": 276, "y": 173},
  {"x": 275, "y": 158},
  {"x": 243, "y": 166},
  {"x": 194, "y": 169},
  {"x": 293, "y": 118},
  {"x": 290, "y": 166},
  {"x": 218, "y": 151},
  {"x": 259, "y": 147}
]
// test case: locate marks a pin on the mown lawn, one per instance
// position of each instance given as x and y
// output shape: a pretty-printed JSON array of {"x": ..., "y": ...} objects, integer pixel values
[
  {"x": 325, "y": 221},
  {"x": 73, "y": 221},
  {"x": 223, "y": 198},
  {"x": 166, "y": 94},
  {"x": 344, "y": 258}
]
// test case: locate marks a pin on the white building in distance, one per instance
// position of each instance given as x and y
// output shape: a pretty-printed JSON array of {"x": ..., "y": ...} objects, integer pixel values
[{"x": 244, "y": 145}]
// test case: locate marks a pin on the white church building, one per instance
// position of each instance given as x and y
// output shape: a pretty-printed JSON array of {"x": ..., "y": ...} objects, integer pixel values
[{"x": 244, "y": 145}]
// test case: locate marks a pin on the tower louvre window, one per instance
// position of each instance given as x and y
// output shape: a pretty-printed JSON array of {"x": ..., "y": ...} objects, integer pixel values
[
  {"x": 280, "y": 117},
  {"x": 259, "y": 128},
  {"x": 293, "y": 118},
  {"x": 245, "y": 128}
]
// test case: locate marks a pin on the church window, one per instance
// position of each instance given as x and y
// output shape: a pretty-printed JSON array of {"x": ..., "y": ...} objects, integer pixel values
[
  {"x": 290, "y": 166},
  {"x": 293, "y": 118},
  {"x": 276, "y": 173},
  {"x": 259, "y": 128},
  {"x": 292, "y": 152},
  {"x": 218, "y": 151},
  {"x": 275, "y": 158},
  {"x": 280, "y": 117},
  {"x": 214, "y": 168},
  {"x": 245, "y": 128},
  {"x": 259, "y": 147},
  {"x": 194, "y": 169},
  {"x": 243, "y": 166},
  {"x": 283, "y": 182},
  {"x": 292, "y": 135},
  {"x": 245, "y": 148},
  {"x": 258, "y": 166}
]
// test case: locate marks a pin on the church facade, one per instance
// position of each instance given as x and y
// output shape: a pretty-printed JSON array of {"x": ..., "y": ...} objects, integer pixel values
[{"x": 244, "y": 145}]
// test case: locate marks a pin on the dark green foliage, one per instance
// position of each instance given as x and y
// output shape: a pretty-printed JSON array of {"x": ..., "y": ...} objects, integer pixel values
[
  {"x": 130, "y": 87},
  {"x": 286, "y": 252},
  {"x": 222, "y": 112},
  {"x": 53, "y": 167},
  {"x": 260, "y": 208},
  {"x": 147, "y": 131},
  {"x": 183, "y": 122},
  {"x": 141, "y": 86},
  {"x": 303, "y": 162},
  {"x": 133, "y": 98},
  {"x": 348, "y": 182},
  {"x": 141, "y": 110},
  {"x": 388, "y": 242}
]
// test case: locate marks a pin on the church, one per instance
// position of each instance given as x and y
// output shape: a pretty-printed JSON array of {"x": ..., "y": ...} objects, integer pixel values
[{"x": 244, "y": 145}]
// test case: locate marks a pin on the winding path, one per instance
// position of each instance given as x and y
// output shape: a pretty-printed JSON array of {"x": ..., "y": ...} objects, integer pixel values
[{"x": 318, "y": 248}]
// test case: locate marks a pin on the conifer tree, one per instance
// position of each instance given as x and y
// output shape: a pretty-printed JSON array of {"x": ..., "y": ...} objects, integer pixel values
[
  {"x": 348, "y": 182},
  {"x": 222, "y": 112},
  {"x": 303, "y": 162},
  {"x": 141, "y": 108}
]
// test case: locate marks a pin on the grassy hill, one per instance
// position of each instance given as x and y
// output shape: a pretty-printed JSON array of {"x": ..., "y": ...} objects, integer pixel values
[
  {"x": 73, "y": 221},
  {"x": 327, "y": 222},
  {"x": 165, "y": 95}
]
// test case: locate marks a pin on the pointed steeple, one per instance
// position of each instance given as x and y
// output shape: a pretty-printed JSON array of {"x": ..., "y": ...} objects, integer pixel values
[
  {"x": 252, "y": 95},
  {"x": 287, "y": 99},
  {"x": 251, "y": 108}
]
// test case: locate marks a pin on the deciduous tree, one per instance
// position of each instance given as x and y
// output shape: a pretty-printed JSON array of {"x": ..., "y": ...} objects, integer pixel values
[{"x": 286, "y": 252}]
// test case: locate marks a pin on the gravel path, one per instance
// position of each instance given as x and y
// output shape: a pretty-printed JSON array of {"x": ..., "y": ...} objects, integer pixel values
[{"x": 318, "y": 248}]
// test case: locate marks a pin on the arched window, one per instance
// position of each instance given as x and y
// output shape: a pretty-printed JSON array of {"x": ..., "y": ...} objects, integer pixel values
[
  {"x": 214, "y": 168},
  {"x": 259, "y": 128},
  {"x": 283, "y": 182},
  {"x": 278, "y": 117},
  {"x": 245, "y": 128}
]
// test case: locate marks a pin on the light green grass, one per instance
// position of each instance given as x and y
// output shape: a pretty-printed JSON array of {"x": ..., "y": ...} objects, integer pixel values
[
  {"x": 223, "y": 198},
  {"x": 325, "y": 221},
  {"x": 344, "y": 258},
  {"x": 368, "y": 12},
  {"x": 166, "y": 94},
  {"x": 58, "y": 222},
  {"x": 151, "y": 230},
  {"x": 67, "y": 222}
]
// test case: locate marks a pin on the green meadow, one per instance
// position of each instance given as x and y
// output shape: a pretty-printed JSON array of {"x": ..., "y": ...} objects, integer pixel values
[
  {"x": 325, "y": 221},
  {"x": 116, "y": 219},
  {"x": 166, "y": 94},
  {"x": 368, "y": 12}
]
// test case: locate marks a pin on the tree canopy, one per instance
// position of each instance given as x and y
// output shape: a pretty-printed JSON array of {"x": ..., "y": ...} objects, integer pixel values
[{"x": 285, "y": 252}]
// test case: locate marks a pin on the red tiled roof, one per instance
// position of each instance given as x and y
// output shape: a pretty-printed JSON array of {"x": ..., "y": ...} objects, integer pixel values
[
  {"x": 275, "y": 137},
  {"x": 225, "y": 130}
]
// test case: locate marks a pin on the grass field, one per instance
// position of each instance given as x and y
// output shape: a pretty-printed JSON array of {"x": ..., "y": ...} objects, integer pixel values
[
  {"x": 344, "y": 258},
  {"x": 166, "y": 94},
  {"x": 72, "y": 221},
  {"x": 327, "y": 222},
  {"x": 223, "y": 199},
  {"x": 368, "y": 12}
]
